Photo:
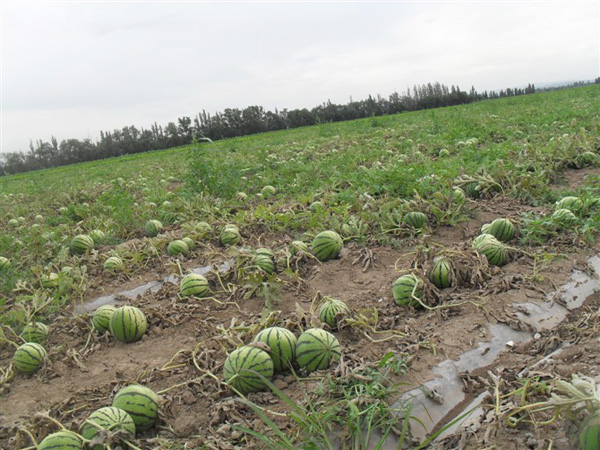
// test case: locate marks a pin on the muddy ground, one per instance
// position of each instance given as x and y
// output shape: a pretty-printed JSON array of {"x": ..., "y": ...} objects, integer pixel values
[{"x": 187, "y": 340}]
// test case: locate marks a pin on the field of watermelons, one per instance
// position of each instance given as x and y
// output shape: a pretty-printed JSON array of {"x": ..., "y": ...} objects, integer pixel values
[{"x": 422, "y": 280}]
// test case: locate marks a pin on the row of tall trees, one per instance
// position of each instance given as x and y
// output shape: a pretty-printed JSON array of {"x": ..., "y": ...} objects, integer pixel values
[{"x": 233, "y": 122}]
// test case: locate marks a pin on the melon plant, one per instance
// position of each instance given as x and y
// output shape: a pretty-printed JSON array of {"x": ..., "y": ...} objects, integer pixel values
[
  {"x": 589, "y": 433},
  {"x": 405, "y": 288},
  {"x": 230, "y": 235},
  {"x": 440, "y": 273},
  {"x": 140, "y": 402},
  {"x": 35, "y": 332},
  {"x": 241, "y": 196},
  {"x": 316, "y": 206},
  {"x": 153, "y": 227},
  {"x": 194, "y": 285},
  {"x": 316, "y": 349},
  {"x": 4, "y": 263},
  {"x": 29, "y": 357},
  {"x": 101, "y": 318},
  {"x": 177, "y": 247},
  {"x": 61, "y": 440},
  {"x": 327, "y": 245},
  {"x": 332, "y": 311},
  {"x": 502, "y": 229},
  {"x": 471, "y": 190},
  {"x": 114, "y": 263},
  {"x": 49, "y": 281},
  {"x": 81, "y": 244},
  {"x": 415, "y": 219},
  {"x": 108, "y": 418},
  {"x": 268, "y": 191},
  {"x": 240, "y": 365},
  {"x": 443, "y": 153},
  {"x": 458, "y": 195},
  {"x": 282, "y": 343},
  {"x": 128, "y": 324},
  {"x": 298, "y": 246},
  {"x": 573, "y": 204}
]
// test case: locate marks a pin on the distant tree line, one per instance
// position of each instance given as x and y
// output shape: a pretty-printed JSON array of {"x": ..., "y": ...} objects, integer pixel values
[{"x": 233, "y": 122}]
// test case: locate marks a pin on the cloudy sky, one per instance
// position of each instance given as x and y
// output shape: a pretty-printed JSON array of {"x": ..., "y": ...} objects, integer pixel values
[{"x": 71, "y": 69}]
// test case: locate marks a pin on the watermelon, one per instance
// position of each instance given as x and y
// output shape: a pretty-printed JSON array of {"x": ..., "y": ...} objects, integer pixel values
[
  {"x": 443, "y": 153},
  {"x": 268, "y": 191},
  {"x": 590, "y": 204},
  {"x": 480, "y": 240},
  {"x": 35, "y": 332},
  {"x": 114, "y": 263},
  {"x": 405, "y": 287},
  {"x": 316, "y": 206},
  {"x": 101, "y": 318},
  {"x": 573, "y": 204},
  {"x": 193, "y": 285},
  {"x": 564, "y": 218},
  {"x": 297, "y": 247},
  {"x": 108, "y": 418},
  {"x": 586, "y": 159},
  {"x": 282, "y": 343},
  {"x": 61, "y": 440},
  {"x": 415, "y": 219},
  {"x": 97, "y": 236},
  {"x": 50, "y": 281},
  {"x": 81, "y": 244},
  {"x": 458, "y": 195},
  {"x": 441, "y": 273},
  {"x": 332, "y": 311},
  {"x": 265, "y": 251},
  {"x": 471, "y": 190},
  {"x": 589, "y": 433},
  {"x": 140, "y": 402},
  {"x": 230, "y": 235},
  {"x": 189, "y": 242},
  {"x": 240, "y": 365},
  {"x": 177, "y": 247},
  {"x": 128, "y": 324},
  {"x": 153, "y": 227},
  {"x": 494, "y": 250},
  {"x": 327, "y": 245},
  {"x": 4, "y": 263},
  {"x": 13, "y": 223},
  {"x": 264, "y": 262},
  {"x": 316, "y": 349},
  {"x": 203, "y": 229},
  {"x": 241, "y": 196},
  {"x": 39, "y": 218},
  {"x": 502, "y": 229},
  {"x": 29, "y": 357},
  {"x": 63, "y": 210}
]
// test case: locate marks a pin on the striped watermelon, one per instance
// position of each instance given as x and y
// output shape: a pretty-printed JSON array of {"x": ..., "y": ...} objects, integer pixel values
[
  {"x": 189, "y": 242},
  {"x": 13, "y": 223},
  {"x": 573, "y": 204},
  {"x": 101, "y": 318},
  {"x": 589, "y": 433},
  {"x": 81, "y": 244},
  {"x": 268, "y": 191},
  {"x": 203, "y": 229},
  {"x": 327, "y": 245},
  {"x": 502, "y": 229},
  {"x": 332, "y": 311},
  {"x": 264, "y": 262},
  {"x": 29, "y": 357},
  {"x": 241, "y": 196},
  {"x": 153, "y": 227},
  {"x": 458, "y": 194},
  {"x": 108, "y": 418},
  {"x": 177, "y": 247},
  {"x": 405, "y": 287},
  {"x": 298, "y": 246},
  {"x": 415, "y": 219},
  {"x": 494, "y": 250},
  {"x": 114, "y": 263},
  {"x": 316, "y": 206},
  {"x": 97, "y": 236},
  {"x": 49, "y": 281},
  {"x": 4, "y": 263},
  {"x": 140, "y": 402},
  {"x": 441, "y": 273},
  {"x": 128, "y": 324},
  {"x": 265, "y": 251},
  {"x": 61, "y": 440},
  {"x": 471, "y": 190},
  {"x": 564, "y": 218},
  {"x": 240, "y": 364},
  {"x": 282, "y": 343},
  {"x": 480, "y": 240},
  {"x": 316, "y": 349},
  {"x": 230, "y": 235},
  {"x": 35, "y": 332},
  {"x": 485, "y": 228},
  {"x": 193, "y": 285}
]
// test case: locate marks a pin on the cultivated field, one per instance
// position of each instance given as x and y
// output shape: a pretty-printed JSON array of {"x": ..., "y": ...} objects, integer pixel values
[{"x": 490, "y": 340}]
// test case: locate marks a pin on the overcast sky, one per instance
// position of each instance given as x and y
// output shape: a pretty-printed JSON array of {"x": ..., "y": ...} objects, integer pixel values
[{"x": 71, "y": 69}]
